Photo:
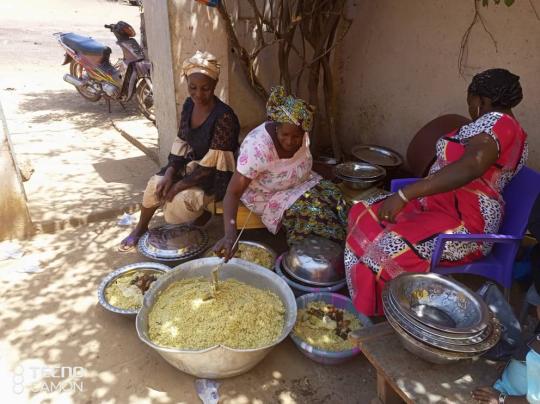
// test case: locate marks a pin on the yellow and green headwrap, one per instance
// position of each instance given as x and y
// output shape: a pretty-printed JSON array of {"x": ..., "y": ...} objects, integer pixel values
[{"x": 285, "y": 108}]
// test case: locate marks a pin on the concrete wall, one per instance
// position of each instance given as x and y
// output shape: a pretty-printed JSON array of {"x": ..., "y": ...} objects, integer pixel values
[
  {"x": 399, "y": 66},
  {"x": 15, "y": 220}
]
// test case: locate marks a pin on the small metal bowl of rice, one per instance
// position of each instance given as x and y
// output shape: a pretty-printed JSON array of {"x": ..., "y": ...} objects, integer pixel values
[
  {"x": 122, "y": 291},
  {"x": 183, "y": 295},
  {"x": 255, "y": 252}
]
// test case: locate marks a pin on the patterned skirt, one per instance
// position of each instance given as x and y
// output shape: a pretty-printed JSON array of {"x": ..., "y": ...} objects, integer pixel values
[{"x": 321, "y": 211}]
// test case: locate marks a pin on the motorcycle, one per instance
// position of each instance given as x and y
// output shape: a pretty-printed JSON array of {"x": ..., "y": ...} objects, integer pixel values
[{"x": 94, "y": 77}]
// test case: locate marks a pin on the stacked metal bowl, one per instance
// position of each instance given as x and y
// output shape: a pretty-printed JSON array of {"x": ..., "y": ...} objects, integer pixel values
[
  {"x": 439, "y": 319},
  {"x": 314, "y": 264},
  {"x": 359, "y": 175}
]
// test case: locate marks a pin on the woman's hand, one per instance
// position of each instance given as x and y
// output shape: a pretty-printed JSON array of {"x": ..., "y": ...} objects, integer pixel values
[
  {"x": 486, "y": 395},
  {"x": 163, "y": 186},
  {"x": 390, "y": 208},
  {"x": 224, "y": 248},
  {"x": 174, "y": 190}
]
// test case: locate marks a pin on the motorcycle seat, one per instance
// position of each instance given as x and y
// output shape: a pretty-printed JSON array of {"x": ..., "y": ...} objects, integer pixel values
[{"x": 85, "y": 45}]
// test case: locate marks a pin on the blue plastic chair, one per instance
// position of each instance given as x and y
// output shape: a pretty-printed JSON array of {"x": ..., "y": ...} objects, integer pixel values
[{"x": 519, "y": 196}]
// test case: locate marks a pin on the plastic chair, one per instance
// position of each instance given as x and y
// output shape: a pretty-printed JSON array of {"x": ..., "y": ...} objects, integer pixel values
[{"x": 519, "y": 196}]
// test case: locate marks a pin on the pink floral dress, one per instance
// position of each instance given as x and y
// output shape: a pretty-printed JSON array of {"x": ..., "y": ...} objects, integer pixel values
[{"x": 275, "y": 183}]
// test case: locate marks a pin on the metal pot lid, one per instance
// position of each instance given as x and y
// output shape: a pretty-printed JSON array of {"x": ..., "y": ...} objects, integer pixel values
[
  {"x": 378, "y": 155},
  {"x": 316, "y": 260},
  {"x": 139, "y": 266},
  {"x": 173, "y": 242},
  {"x": 303, "y": 281},
  {"x": 359, "y": 171}
]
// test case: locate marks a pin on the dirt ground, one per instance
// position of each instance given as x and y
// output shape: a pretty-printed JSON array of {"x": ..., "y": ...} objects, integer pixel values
[{"x": 51, "y": 318}]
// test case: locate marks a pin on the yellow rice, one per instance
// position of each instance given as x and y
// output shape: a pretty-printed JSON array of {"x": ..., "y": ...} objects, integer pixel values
[
  {"x": 312, "y": 329},
  {"x": 240, "y": 316},
  {"x": 120, "y": 293}
]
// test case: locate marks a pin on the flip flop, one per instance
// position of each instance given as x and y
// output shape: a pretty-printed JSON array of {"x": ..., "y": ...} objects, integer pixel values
[{"x": 124, "y": 244}]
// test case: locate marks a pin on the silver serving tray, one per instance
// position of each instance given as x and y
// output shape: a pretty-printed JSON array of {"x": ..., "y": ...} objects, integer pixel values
[
  {"x": 359, "y": 171},
  {"x": 139, "y": 266},
  {"x": 173, "y": 242},
  {"x": 473, "y": 348},
  {"x": 377, "y": 155}
]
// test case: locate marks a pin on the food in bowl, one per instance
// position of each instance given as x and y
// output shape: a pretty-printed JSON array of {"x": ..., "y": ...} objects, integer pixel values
[
  {"x": 326, "y": 327},
  {"x": 254, "y": 254},
  {"x": 127, "y": 291},
  {"x": 239, "y": 316}
]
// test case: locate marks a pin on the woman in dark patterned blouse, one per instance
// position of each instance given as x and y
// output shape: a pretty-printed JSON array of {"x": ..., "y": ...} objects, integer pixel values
[{"x": 201, "y": 161}]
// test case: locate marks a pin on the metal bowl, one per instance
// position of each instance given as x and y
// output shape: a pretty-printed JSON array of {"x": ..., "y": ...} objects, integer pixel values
[
  {"x": 358, "y": 185},
  {"x": 475, "y": 346},
  {"x": 426, "y": 352},
  {"x": 355, "y": 171},
  {"x": 391, "y": 308},
  {"x": 262, "y": 246},
  {"x": 468, "y": 312},
  {"x": 377, "y": 155},
  {"x": 320, "y": 355},
  {"x": 301, "y": 288},
  {"x": 218, "y": 361},
  {"x": 315, "y": 261},
  {"x": 139, "y": 266}
]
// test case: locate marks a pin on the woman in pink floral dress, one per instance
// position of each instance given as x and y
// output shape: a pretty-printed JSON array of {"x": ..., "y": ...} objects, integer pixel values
[{"x": 273, "y": 179}]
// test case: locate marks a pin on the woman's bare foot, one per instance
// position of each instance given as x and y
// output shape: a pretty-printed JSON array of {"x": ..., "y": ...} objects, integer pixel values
[{"x": 130, "y": 242}]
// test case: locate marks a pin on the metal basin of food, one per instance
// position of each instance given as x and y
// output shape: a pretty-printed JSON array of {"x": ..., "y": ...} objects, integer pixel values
[
  {"x": 315, "y": 261},
  {"x": 321, "y": 355},
  {"x": 447, "y": 299},
  {"x": 300, "y": 288},
  {"x": 218, "y": 361},
  {"x": 147, "y": 267}
]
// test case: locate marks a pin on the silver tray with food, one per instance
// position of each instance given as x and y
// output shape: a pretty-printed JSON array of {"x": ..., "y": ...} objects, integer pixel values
[
  {"x": 122, "y": 291},
  {"x": 173, "y": 242}
]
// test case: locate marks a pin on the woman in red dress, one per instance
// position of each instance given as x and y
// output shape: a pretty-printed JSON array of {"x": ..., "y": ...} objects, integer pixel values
[{"x": 462, "y": 194}]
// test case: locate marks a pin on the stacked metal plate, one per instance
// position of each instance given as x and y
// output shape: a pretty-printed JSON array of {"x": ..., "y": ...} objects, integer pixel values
[
  {"x": 439, "y": 319},
  {"x": 359, "y": 175},
  {"x": 173, "y": 242}
]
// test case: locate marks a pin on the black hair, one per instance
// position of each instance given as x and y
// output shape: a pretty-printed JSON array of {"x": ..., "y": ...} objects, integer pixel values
[{"x": 499, "y": 85}]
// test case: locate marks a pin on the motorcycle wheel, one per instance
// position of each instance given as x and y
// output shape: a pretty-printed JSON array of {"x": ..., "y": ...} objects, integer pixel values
[
  {"x": 145, "y": 99},
  {"x": 78, "y": 71}
]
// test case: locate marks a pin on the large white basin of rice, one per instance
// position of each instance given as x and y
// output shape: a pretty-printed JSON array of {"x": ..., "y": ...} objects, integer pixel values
[{"x": 220, "y": 353}]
